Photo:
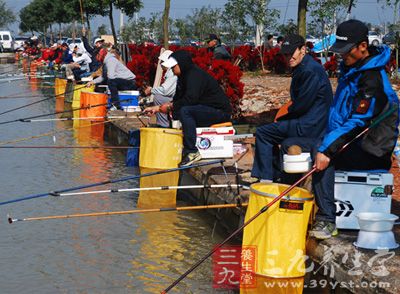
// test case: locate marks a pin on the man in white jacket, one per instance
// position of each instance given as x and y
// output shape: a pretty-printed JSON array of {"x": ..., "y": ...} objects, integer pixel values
[
  {"x": 80, "y": 65},
  {"x": 165, "y": 92},
  {"x": 117, "y": 76}
]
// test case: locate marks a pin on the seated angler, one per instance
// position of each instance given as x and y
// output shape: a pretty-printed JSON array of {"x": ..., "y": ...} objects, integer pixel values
[
  {"x": 165, "y": 92},
  {"x": 199, "y": 101},
  {"x": 117, "y": 76},
  {"x": 307, "y": 117}
]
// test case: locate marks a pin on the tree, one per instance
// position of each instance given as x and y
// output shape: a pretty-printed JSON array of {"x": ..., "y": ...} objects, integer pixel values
[
  {"x": 204, "y": 20},
  {"x": 395, "y": 5},
  {"x": 234, "y": 23},
  {"x": 166, "y": 22},
  {"x": 6, "y": 15},
  {"x": 256, "y": 14},
  {"x": 102, "y": 30},
  {"x": 182, "y": 28},
  {"x": 106, "y": 8},
  {"x": 301, "y": 17},
  {"x": 289, "y": 28},
  {"x": 325, "y": 14}
]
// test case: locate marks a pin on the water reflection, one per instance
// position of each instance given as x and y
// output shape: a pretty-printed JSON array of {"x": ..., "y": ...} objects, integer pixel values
[
  {"x": 118, "y": 254},
  {"x": 157, "y": 198}
]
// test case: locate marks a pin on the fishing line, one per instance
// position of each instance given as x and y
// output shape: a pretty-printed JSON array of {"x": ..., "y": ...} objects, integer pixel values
[
  {"x": 59, "y": 112},
  {"x": 55, "y": 132},
  {"x": 84, "y": 118},
  {"x": 68, "y": 147},
  {"x": 36, "y": 102},
  {"x": 111, "y": 181}
]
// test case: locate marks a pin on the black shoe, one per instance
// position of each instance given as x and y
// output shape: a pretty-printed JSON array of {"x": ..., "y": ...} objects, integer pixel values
[{"x": 190, "y": 158}]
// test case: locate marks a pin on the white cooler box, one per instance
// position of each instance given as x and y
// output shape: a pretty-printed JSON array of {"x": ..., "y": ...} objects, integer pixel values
[
  {"x": 357, "y": 192},
  {"x": 212, "y": 144}
]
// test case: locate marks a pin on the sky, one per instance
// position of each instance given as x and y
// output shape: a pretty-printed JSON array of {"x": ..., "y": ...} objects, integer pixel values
[{"x": 365, "y": 10}]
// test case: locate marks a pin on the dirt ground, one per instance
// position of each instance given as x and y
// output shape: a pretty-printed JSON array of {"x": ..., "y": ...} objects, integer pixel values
[{"x": 267, "y": 93}]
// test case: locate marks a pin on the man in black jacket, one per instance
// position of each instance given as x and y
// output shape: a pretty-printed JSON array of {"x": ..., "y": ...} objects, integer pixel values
[
  {"x": 214, "y": 45},
  {"x": 307, "y": 117},
  {"x": 199, "y": 101}
]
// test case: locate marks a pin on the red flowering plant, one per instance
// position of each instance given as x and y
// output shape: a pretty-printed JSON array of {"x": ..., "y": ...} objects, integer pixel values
[
  {"x": 144, "y": 65},
  {"x": 331, "y": 66},
  {"x": 228, "y": 76},
  {"x": 141, "y": 66}
]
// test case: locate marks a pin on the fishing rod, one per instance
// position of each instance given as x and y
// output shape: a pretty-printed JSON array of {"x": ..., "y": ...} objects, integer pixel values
[
  {"x": 4, "y": 81},
  {"x": 111, "y": 181},
  {"x": 68, "y": 147},
  {"x": 39, "y": 101},
  {"x": 81, "y": 118},
  {"x": 53, "y": 133},
  {"x": 276, "y": 199},
  {"x": 153, "y": 189},
  {"x": 124, "y": 212},
  {"x": 58, "y": 112}
]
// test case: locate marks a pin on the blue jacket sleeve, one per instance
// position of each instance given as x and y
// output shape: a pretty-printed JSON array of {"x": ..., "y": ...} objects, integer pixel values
[{"x": 369, "y": 102}]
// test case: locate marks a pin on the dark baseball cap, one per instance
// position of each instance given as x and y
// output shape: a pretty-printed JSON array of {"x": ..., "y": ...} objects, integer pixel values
[
  {"x": 211, "y": 37},
  {"x": 349, "y": 34},
  {"x": 291, "y": 43}
]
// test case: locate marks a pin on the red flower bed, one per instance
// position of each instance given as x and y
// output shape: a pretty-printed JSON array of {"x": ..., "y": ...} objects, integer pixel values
[{"x": 144, "y": 65}]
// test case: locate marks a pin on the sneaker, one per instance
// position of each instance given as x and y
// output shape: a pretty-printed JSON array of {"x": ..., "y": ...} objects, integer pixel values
[
  {"x": 190, "y": 158},
  {"x": 113, "y": 108},
  {"x": 323, "y": 230}
]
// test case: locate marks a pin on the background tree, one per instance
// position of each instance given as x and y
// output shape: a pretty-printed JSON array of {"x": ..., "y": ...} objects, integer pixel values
[
  {"x": 166, "y": 23},
  {"x": 234, "y": 24},
  {"x": 102, "y": 30},
  {"x": 326, "y": 15},
  {"x": 301, "y": 17},
  {"x": 182, "y": 29},
  {"x": 6, "y": 15},
  {"x": 287, "y": 29},
  {"x": 204, "y": 21}
]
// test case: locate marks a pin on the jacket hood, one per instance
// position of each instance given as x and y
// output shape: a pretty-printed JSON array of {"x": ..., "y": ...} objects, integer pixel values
[
  {"x": 379, "y": 59},
  {"x": 184, "y": 60}
]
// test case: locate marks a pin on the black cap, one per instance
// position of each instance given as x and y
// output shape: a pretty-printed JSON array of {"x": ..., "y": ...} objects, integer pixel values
[
  {"x": 211, "y": 37},
  {"x": 64, "y": 44},
  {"x": 291, "y": 43},
  {"x": 349, "y": 34}
]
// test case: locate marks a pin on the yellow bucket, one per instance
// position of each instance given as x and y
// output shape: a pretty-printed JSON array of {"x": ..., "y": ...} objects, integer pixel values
[
  {"x": 76, "y": 98},
  {"x": 157, "y": 198},
  {"x": 160, "y": 148},
  {"x": 279, "y": 234},
  {"x": 60, "y": 86}
]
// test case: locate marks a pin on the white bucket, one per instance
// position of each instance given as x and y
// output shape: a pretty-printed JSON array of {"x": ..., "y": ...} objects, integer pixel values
[
  {"x": 297, "y": 163},
  {"x": 376, "y": 230}
]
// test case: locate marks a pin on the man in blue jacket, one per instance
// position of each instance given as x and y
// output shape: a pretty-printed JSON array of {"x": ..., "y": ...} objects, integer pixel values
[
  {"x": 363, "y": 93},
  {"x": 307, "y": 117}
]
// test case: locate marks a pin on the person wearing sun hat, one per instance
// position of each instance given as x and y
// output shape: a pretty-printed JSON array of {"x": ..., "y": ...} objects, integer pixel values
[
  {"x": 214, "y": 46},
  {"x": 165, "y": 92},
  {"x": 199, "y": 101},
  {"x": 306, "y": 119},
  {"x": 363, "y": 93}
]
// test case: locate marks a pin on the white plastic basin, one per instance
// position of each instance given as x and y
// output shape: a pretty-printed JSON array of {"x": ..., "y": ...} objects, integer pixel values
[
  {"x": 297, "y": 163},
  {"x": 376, "y": 221}
]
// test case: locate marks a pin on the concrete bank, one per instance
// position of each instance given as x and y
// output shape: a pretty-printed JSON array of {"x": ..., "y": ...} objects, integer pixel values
[{"x": 339, "y": 265}]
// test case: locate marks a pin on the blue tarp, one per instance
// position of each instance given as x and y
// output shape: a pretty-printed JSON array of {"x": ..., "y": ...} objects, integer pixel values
[{"x": 324, "y": 44}]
